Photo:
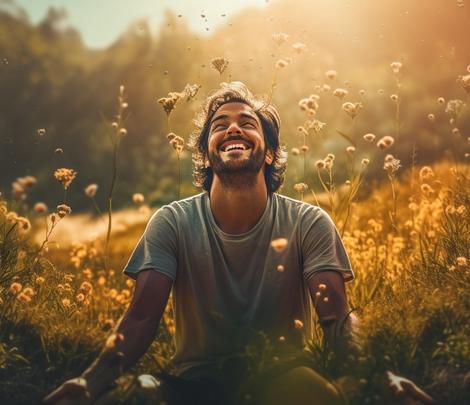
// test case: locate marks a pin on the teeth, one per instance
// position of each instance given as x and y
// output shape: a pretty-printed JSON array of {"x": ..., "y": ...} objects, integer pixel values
[{"x": 235, "y": 146}]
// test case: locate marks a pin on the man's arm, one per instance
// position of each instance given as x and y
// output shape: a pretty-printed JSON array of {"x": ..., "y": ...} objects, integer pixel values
[
  {"x": 135, "y": 333},
  {"x": 328, "y": 292}
]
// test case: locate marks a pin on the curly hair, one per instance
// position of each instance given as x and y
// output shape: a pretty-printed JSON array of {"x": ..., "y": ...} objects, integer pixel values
[{"x": 237, "y": 92}]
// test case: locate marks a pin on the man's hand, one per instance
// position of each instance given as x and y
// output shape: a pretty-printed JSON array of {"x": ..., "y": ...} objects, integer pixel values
[
  {"x": 407, "y": 390},
  {"x": 71, "y": 392}
]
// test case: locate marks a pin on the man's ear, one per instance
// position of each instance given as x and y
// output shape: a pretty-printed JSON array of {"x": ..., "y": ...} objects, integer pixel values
[{"x": 269, "y": 157}]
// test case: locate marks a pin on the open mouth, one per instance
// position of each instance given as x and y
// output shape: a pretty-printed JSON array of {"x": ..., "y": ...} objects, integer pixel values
[{"x": 235, "y": 145}]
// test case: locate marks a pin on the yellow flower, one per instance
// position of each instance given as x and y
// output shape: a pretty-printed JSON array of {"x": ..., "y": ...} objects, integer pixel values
[
  {"x": 65, "y": 176},
  {"x": 15, "y": 287}
]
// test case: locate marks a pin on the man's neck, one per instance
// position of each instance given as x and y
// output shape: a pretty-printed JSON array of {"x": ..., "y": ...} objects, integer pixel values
[{"x": 237, "y": 210}]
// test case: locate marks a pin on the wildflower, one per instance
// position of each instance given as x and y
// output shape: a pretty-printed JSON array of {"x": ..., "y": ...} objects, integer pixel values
[
  {"x": 299, "y": 47},
  {"x": 66, "y": 302},
  {"x": 86, "y": 287},
  {"x": 219, "y": 64},
  {"x": 302, "y": 130},
  {"x": 431, "y": 117},
  {"x": 138, "y": 198},
  {"x": 41, "y": 131},
  {"x": 65, "y": 176},
  {"x": 325, "y": 299},
  {"x": 301, "y": 187},
  {"x": 80, "y": 297},
  {"x": 298, "y": 324},
  {"x": 24, "y": 225},
  {"x": 413, "y": 206},
  {"x": 351, "y": 150},
  {"x": 388, "y": 158},
  {"x": 320, "y": 164},
  {"x": 454, "y": 107},
  {"x": 91, "y": 189},
  {"x": 426, "y": 174},
  {"x": 330, "y": 156},
  {"x": 391, "y": 166},
  {"x": 461, "y": 261},
  {"x": 191, "y": 90},
  {"x": 169, "y": 102},
  {"x": 40, "y": 280},
  {"x": 385, "y": 142},
  {"x": 441, "y": 101},
  {"x": 279, "y": 244},
  {"x": 322, "y": 286},
  {"x": 460, "y": 209},
  {"x": 281, "y": 63},
  {"x": 122, "y": 132},
  {"x": 63, "y": 210},
  {"x": 58, "y": 151},
  {"x": 295, "y": 151},
  {"x": 369, "y": 137},
  {"x": 365, "y": 162},
  {"x": 455, "y": 131},
  {"x": 280, "y": 37},
  {"x": 396, "y": 66},
  {"x": 304, "y": 148},
  {"x": 23, "y": 297},
  {"x": 15, "y": 287},
  {"x": 331, "y": 74},
  {"x": 281, "y": 339},
  {"x": 352, "y": 109},
  {"x": 394, "y": 98},
  {"x": 40, "y": 208},
  {"x": 177, "y": 142},
  {"x": 280, "y": 268},
  {"x": 427, "y": 189},
  {"x": 464, "y": 82},
  {"x": 340, "y": 93},
  {"x": 101, "y": 281},
  {"x": 325, "y": 88}
]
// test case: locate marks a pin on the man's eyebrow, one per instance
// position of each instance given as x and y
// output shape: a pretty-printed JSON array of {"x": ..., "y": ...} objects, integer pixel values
[{"x": 244, "y": 115}]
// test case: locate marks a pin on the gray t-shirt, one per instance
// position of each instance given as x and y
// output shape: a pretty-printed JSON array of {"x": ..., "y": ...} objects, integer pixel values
[{"x": 229, "y": 288}]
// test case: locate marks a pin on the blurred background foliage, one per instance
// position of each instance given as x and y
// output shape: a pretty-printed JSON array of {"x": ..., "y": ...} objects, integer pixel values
[{"x": 49, "y": 79}]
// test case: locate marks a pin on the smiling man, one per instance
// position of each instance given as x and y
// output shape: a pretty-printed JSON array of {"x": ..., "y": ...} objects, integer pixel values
[{"x": 243, "y": 304}]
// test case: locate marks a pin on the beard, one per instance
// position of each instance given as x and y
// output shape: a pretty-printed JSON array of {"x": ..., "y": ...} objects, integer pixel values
[{"x": 235, "y": 174}]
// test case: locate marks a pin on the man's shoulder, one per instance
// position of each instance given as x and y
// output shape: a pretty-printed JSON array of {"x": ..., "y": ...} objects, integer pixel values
[
  {"x": 288, "y": 203},
  {"x": 184, "y": 207}
]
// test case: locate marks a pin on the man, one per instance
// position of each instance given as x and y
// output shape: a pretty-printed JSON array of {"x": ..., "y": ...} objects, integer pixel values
[{"x": 244, "y": 263}]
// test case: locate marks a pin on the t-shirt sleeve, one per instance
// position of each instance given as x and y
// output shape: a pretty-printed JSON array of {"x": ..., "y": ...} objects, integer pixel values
[
  {"x": 322, "y": 247},
  {"x": 157, "y": 248}
]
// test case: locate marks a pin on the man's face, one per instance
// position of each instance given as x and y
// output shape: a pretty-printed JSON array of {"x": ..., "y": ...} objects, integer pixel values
[{"x": 236, "y": 146}]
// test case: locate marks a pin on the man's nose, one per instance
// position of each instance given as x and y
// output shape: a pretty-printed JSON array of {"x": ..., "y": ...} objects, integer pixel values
[{"x": 233, "y": 129}]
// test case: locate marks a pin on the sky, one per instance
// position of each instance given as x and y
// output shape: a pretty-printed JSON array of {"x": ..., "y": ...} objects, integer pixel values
[{"x": 101, "y": 21}]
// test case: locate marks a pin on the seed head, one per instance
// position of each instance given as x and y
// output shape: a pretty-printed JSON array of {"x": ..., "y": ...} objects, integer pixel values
[
  {"x": 431, "y": 117},
  {"x": 464, "y": 82},
  {"x": 461, "y": 261},
  {"x": 66, "y": 302},
  {"x": 122, "y": 131},
  {"x": 340, "y": 93},
  {"x": 280, "y": 268},
  {"x": 392, "y": 165},
  {"x": 59, "y": 151},
  {"x": 41, "y": 131},
  {"x": 320, "y": 164},
  {"x": 63, "y": 210},
  {"x": 281, "y": 63},
  {"x": 15, "y": 288},
  {"x": 295, "y": 151},
  {"x": 351, "y": 150},
  {"x": 365, "y": 162},
  {"x": 138, "y": 198},
  {"x": 65, "y": 176},
  {"x": 169, "y": 102},
  {"x": 91, "y": 189},
  {"x": 219, "y": 64},
  {"x": 394, "y": 98},
  {"x": 441, "y": 101},
  {"x": 396, "y": 66},
  {"x": 426, "y": 174},
  {"x": 280, "y": 37},
  {"x": 40, "y": 208},
  {"x": 299, "y": 47},
  {"x": 369, "y": 137},
  {"x": 301, "y": 187},
  {"x": 331, "y": 74},
  {"x": 352, "y": 109}
]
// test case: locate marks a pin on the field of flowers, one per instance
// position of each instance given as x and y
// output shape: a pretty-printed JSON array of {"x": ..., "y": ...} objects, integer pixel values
[{"x": 408, "y": 238}]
